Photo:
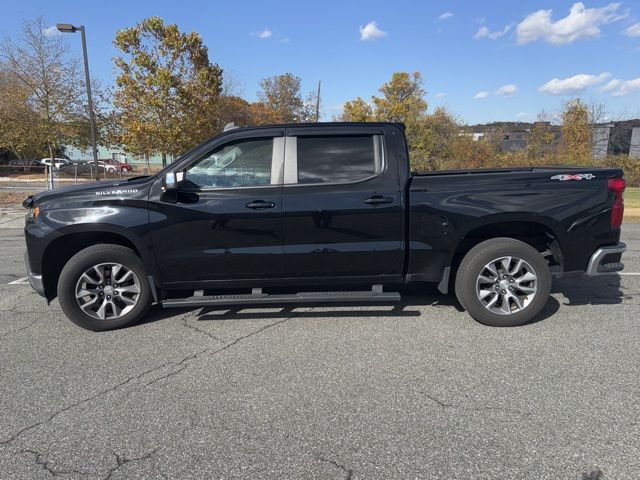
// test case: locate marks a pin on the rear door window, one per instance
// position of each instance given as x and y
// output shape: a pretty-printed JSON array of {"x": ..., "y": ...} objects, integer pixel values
[{"x": 338, "y": 159}]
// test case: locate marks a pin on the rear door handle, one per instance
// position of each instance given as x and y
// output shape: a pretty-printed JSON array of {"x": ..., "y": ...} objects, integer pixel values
[
  {"x": 377, "y": 200},
  {"x": 260, "y": 204}
]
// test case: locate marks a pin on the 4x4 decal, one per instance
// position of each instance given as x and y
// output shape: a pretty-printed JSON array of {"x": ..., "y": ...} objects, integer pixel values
[{"x": 573, "y": 176}]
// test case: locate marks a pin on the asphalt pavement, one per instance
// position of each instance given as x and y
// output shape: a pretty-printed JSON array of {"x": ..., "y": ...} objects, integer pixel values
[{"x": 418, "y": 390}]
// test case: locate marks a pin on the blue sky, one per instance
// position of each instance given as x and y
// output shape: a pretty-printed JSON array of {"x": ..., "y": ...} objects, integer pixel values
[{"x": 486, "y": 61}]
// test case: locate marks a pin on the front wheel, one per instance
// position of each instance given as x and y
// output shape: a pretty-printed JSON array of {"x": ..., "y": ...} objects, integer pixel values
[
  {"x": 104, "y": 287},
  {"x": 503, "y": 282}
]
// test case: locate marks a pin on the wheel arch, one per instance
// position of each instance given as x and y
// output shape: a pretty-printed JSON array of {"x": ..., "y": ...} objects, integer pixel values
[
  {"x": 60, "y": 250},
  {"x": 541, "y": 233}
]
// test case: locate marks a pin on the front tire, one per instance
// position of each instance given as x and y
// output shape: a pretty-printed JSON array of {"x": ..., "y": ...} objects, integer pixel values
[
  {"x": 104, "y": 287},
  {"x": 503, "y": 282}
]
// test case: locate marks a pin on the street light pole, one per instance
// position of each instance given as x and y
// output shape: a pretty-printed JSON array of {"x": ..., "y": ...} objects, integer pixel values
[{"x": 68, "y": 28}]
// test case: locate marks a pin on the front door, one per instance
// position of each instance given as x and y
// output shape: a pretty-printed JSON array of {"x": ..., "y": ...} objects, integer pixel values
[
  {"x": 342, "y": 206},
  {"x": 226, "y": 223}
]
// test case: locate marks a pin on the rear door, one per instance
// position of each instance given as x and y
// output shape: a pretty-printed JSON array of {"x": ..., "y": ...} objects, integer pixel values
[{"x": 341, "y": 204}]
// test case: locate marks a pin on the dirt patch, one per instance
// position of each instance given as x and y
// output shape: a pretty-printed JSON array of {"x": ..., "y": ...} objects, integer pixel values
[{"x": 13, "y": 198}]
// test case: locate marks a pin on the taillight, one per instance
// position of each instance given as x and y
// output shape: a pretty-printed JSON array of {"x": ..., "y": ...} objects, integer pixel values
[{"x": 617, "y": 186}]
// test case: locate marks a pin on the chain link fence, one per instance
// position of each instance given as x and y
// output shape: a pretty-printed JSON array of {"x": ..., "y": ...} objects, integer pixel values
[{"x": 34, "y": 172}]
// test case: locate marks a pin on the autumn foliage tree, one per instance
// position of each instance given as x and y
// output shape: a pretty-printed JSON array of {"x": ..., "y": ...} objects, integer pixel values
[
  {"x": 42, "y": 94},
  {"x": 280, "y": 100},
  {"x": 576, "y": 132},
  {"x": 167, "y": 89},
  {"x": 357, "y": 110}
]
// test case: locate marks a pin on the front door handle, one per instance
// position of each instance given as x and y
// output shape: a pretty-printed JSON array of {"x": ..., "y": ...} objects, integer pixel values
[
  {"x": 377, "y": 200},
  {"x": 260, "y": 204}
]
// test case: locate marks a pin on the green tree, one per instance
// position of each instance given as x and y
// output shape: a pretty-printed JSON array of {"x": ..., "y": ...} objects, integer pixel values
[{"x": 167, "y": 89}]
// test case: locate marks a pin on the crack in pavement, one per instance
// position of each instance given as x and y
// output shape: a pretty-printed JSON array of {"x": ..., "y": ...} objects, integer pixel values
[
  {"x": 347, "y": 471},
  {"x": 223, "y": 348},
  {"x": 185, "y": 322},
  {"x": 46, "y": 465},
  {"x": 28, "y": 428},
  {"x": 18, "y": 329},
  {"x": 122, "y": 460},
  {"x": 129, "y": 380}
]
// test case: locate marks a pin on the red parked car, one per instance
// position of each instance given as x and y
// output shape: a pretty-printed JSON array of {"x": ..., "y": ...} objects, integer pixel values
[{"x": 109, "y": 162}]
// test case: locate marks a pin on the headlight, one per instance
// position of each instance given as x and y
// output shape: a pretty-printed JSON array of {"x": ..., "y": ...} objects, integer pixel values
[{"x": 34, "y": 212}]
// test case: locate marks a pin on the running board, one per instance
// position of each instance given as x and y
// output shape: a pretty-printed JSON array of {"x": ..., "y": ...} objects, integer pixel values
[{"x": 375, "y": 295}]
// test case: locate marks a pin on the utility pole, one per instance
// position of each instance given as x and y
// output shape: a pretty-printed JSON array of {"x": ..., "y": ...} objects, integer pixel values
[
  {"x": 69, "y": 28},
  {"x": 318, "y": 104}
]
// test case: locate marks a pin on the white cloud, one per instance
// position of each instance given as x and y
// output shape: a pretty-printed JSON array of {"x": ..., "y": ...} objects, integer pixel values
[
  {"x": 522, "y": 115},
  {"x": 51, "y": 31},
  {"x": 441, "y": 95},
  {"x": 371, "y": 31},
  {"x": 620, "y": 88},
  {"x": 611, "y": 86},
  {"x": 633, "y": 30},
  {"x": 484, "y": 32},
  {"x": 285, "y": 40},
  {"x": 481, "y": 95},
  {"x": 507, "y": 90},
  {"x": 581, "y": 23},
  {"x": 445, "y": 16},
  {"x": 480, "y": 20},
  {"x": 572, "y": 85},
  {"x": 266, "y": 33}
]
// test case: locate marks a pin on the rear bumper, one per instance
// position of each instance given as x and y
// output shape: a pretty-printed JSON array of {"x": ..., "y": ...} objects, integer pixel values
[
  {"x": 34, "y": 280},
  {"x": 606, "y": 260}
]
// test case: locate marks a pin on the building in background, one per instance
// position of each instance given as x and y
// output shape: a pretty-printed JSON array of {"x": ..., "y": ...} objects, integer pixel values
[{"x": 614, "y": 138}]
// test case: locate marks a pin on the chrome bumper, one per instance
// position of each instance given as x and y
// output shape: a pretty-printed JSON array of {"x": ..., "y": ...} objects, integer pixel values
[
  {"x": 597, "y": 265},
  {"x": 34, "y": 280}
]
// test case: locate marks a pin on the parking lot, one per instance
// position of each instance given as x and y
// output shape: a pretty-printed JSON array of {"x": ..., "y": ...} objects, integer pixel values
[{"x": 414, "y": 391}]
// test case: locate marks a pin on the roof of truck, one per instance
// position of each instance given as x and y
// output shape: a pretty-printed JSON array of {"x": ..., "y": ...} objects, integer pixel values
[{"x": 319, "y": 124}]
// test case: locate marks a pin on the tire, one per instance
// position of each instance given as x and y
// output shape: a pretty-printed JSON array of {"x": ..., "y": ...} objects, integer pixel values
[
  {"x": 470, "y": 286},
  {"x": 126, "y": 306}
]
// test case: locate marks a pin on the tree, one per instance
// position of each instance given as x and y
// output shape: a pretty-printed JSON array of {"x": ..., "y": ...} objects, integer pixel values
[
  {"x": 434, "y": 137},
  {"x": 358, "y": 110},
  {"x": 576, "y": 132},
  {"x": 281, "y": 100},
  {"x": 167, "y": 89},
  {"x": 402, "y": 99},
  {"x": 43, "y": 93}
]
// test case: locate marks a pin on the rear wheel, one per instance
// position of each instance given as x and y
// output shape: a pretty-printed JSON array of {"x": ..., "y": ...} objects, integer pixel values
[
  {"x": 104, "y": 287},
  {"x": 503, "y": 282}
]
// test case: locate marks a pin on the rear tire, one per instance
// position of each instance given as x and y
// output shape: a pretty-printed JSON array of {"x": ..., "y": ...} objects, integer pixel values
[
  {"x": 515, "y": 294},
  {"x": 95, "y": 272}
]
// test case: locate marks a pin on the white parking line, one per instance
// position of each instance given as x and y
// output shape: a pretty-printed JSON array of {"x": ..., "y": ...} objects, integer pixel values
[{"x": 20, "y": 281}]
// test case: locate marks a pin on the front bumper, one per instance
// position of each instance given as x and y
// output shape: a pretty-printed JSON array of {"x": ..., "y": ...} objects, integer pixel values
[
  {"x": 606, "y": 260},
  {"x": 35, "y": 280}
]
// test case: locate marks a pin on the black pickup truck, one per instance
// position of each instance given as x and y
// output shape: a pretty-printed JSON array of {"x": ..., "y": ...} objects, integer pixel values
[{"x": 325, "y": 212}]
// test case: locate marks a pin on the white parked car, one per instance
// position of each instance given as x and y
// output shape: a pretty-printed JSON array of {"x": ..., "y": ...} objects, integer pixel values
[{"x": 57, "y": 162}]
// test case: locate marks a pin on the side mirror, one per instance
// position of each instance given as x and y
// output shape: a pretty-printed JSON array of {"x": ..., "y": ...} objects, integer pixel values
[
  {"x": 170, "y": 182},
  {"x": 169, "y": 188}
]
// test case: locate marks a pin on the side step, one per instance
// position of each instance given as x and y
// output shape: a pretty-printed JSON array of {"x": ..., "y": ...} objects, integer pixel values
[{"x": 375, "y": 295}]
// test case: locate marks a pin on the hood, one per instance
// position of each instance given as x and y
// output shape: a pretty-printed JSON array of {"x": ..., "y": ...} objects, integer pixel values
[{"x": 105, "y": 188}]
